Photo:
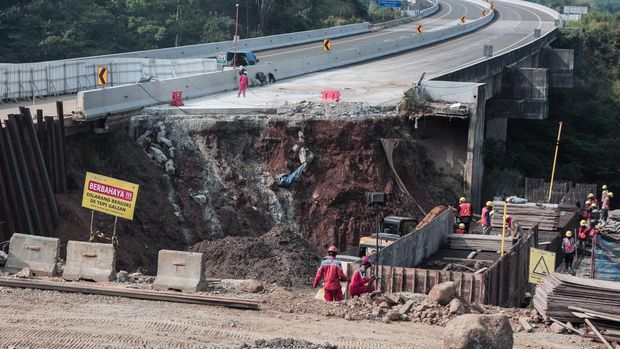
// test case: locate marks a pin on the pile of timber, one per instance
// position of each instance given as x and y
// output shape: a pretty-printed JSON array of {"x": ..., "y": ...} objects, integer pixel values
[
  {"x": 475, "y": 242},
  {"x": 546, "y": 216},
  {"x": 557, "y": 294},
  {"x": 614, "y": 214}
]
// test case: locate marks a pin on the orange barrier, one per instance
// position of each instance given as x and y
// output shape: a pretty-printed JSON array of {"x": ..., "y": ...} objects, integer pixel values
[{"x": 330, "y": 96}]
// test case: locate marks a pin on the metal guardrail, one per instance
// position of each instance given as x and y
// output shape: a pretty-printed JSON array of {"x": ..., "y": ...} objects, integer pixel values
[{"x": 35, "y": 80}]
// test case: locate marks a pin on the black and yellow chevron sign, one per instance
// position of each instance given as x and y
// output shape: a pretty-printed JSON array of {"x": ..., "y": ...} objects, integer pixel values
[
  {"x": 327, "y": 45},
  {"x": 102, "y": 76},
  {"x": 420, "y": 28}
]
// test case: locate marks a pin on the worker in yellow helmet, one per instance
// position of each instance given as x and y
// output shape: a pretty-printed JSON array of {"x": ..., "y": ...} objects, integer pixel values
[
  {"x": 485, "y": 218},
  {"x": 582, "y": 236},
  {"x": 465, "y": 213},
  {"x": 605, "y": 206},
  {"x": 568, "y": 249},
  {"x": 605, "y": 192}
]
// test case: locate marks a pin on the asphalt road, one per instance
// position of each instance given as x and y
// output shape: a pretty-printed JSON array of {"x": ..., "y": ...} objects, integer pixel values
[
  {"x": 383, "y": 81},
  {"x": 449, "y": 14}
]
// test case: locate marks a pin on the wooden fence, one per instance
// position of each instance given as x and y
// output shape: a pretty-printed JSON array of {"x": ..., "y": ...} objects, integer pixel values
[
  {"x": 503, "y": 284},
  {"x": 506, "y": 281},
  {"x": 397, "y": 279}
]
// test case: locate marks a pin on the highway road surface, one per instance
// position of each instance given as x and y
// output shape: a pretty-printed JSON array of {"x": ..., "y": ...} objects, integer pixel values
[{"x": 383, "y": 81}]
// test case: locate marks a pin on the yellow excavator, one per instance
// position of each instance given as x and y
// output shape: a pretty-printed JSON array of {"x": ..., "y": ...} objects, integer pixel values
[{"x": 393, "y": 228}]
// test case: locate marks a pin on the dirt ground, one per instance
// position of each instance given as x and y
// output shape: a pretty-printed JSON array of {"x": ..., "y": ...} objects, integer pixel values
[{"x": 44, "y": 319}]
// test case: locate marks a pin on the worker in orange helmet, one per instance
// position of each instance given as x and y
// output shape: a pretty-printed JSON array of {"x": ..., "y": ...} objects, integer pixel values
[
  {"x": 331, "y": 273},
  {"x": 360, "y": 282}
]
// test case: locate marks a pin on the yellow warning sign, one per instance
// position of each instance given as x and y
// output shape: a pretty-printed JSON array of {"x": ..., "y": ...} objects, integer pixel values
[
  {"x": 102, "y": 76},
  {"x": 109, "y": 195},
  {"x": 419, "y": 28},
  {"x": 327, "y": 45},
  {"x": 541, "y": 263}
]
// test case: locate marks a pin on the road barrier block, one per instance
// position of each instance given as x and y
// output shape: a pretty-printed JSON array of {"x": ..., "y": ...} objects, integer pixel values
[
  {"x": 180, "y": 271},
  {"x": 90, "y": 261},
  {"x": 35, "y": 252}
]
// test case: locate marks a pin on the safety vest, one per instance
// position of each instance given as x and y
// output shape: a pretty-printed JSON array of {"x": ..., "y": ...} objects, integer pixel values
[
  {"x": 568, "y": 245},
  {"x": 583, "y": 232},
  {"x": 465, "y": 209},
  {"x": 483, "y": 218}
]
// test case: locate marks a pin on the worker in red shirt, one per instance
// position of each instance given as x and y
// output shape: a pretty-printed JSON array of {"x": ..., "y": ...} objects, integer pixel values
[
  {"x": 460, "y": 229},
  {"x": 243, "y": 84},
  {"x": 331, "y": 273},
  {"x": 582, "y": 236},
  {"x": 485, "y": 218},
  {"x": 361, "y": 282},
  {"x": 465, "y": 213},
  {"x": 568, "y": 248}
]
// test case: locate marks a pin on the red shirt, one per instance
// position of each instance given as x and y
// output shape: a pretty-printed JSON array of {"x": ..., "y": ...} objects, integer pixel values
[
  {"x": 460, "y": 231},
  {"x": 331, "y": 272},
  {"x": 358, "y": 282},
  {"x": 243, "y": 80}
]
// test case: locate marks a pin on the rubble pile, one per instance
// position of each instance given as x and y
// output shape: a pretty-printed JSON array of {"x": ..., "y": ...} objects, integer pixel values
[
  {"x": 280, "y": 256},
  {"x": 353, "y": 110},
  {"x": 134, "y": 278},
  {"x": 286, "y": 343},
  {"x": 158, "y": 147}
]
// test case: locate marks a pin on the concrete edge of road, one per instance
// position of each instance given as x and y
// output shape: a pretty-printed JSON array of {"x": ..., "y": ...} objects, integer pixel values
[
  {"x": 462, "y": 72},
  {"x": 95, "y": 104}
]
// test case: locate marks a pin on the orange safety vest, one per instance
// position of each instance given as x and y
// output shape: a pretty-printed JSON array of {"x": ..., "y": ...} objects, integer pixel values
[
  {"x": 465, "y": 209},
  {"x": 483, "y": 218},
  {"x": 568, "y": 245}
]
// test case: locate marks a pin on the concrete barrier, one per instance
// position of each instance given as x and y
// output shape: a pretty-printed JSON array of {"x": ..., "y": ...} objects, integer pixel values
[
  {"x": 90, "y": 261},
  {"x": 35, "y": 252},
  {"x": 182, "y": 271},
  {"x": 96, "y": 104}
]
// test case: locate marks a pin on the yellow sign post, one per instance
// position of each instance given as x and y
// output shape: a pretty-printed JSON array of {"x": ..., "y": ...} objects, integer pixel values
[
  {"x": 541, "y": 263},
  {"x": 109, "y": 195},
  {"x": 555, "y": 160}
]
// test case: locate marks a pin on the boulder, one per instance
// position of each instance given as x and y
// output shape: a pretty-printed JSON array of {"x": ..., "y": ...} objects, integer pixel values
[
  {"x": 25, "y": 273},
  {"x": 251, "y": 286},
  {"x": 158, "y": 155},
  {"x": 456, "y": 307},
  {"x": 406, "y": 307},
  {"x": 393, "y": 315},
  {"x": 474, "y": 331},
  {"x": 443, "y": 293},
  {"x": 122, "y": 276},
  {"x": 170, "y": 167},
  {"x": 556, "y": 328}
]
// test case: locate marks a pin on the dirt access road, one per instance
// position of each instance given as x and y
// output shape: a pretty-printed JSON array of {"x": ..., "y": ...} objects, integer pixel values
[{"x": 44, "y": 319}]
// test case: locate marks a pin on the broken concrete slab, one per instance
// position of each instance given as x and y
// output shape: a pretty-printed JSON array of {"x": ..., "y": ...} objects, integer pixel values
[
  {"x": 180, "y": 271},
  {"x": 90, "y": 261},
  {"x": 35, "y": 252}
]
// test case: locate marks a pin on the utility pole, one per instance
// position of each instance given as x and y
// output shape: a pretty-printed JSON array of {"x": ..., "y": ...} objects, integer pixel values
[
  {"x": 236, "y": 37},
  {"x": 176, "y": 37}
]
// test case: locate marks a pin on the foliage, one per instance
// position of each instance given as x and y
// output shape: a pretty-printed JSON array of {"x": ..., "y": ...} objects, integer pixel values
[
  {"x": 590, "y": 146},
  {"x": 39, "y": 30}
]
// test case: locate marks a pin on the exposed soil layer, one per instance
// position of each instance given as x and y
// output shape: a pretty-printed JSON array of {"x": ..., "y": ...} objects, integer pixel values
[{"x": 220, "y": 190}]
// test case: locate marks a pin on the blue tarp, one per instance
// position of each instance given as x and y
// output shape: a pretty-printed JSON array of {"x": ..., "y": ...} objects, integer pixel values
[{"x": 607, "y": 259}]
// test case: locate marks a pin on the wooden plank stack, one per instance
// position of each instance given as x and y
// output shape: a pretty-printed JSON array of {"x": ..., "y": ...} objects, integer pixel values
[
  {"x": 475, "y": 242},
  {"x": 557, "y": 292},
  {"x": 546, "y": 215}
]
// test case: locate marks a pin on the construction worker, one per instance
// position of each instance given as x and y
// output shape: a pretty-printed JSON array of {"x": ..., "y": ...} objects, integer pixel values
[
  {"x": 331, "y": 273},
  {"x": 591, "y": 201},
  {"x": 243, "y": 84},
  {"x": 485, "y": 218},
  {"x": 605, "y": 206},
  {"x": 605, "y": 192},
  {"x": 360, "y": 282},
  {"x": 460, "y": 229},
  {"x": 568, "y": 248},
  {"x": 594, "y": 214},
  {"x": 582, "y": 236},
  {"x": 465, "y": 213}
]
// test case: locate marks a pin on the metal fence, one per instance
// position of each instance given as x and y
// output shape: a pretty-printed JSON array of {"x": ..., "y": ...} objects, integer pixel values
[
  {"x": 35, "y": 80},
  {"x": 564, "y": 192}
]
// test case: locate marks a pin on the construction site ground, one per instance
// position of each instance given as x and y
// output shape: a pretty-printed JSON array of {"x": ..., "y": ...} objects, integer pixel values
[{"x": 49, "y": 319}]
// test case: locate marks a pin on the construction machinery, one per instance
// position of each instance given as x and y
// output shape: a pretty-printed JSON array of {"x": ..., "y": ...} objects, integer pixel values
[{"x": 393, "y": 228}]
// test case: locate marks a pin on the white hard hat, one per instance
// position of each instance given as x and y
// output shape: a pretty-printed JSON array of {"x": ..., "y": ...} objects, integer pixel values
[{"x": 240, "y": 67}]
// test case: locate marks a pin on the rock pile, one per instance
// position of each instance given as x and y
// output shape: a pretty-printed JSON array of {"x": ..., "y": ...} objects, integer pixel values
[
  {"x": 286, "y": 343},
  {"x": 134, "y": 278},
  {"x": 158, "y": 147},
  {"x": 354, "y": 110},
  {"x": 441, "y": 305}
]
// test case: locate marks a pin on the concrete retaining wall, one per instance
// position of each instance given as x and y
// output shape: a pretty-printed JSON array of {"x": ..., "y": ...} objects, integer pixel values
[
  {"x": 35, "y": 252},
  {"x": 90, "y": 261},
  {"x": 255, "y": 44},
  {"x": 410, "y": 250},
  {"x": 97, "y": 103}
]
